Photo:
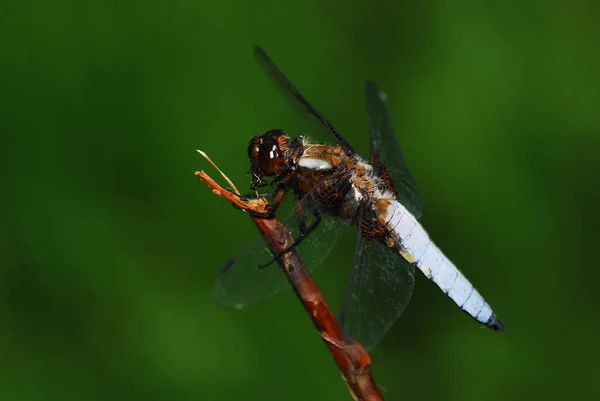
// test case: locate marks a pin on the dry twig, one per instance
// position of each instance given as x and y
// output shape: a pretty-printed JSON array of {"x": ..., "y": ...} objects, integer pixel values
[{"x": 352, "y": 359}]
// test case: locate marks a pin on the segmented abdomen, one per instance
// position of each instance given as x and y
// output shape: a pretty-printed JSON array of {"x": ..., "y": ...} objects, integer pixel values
[{"x": 414, "y": 244}]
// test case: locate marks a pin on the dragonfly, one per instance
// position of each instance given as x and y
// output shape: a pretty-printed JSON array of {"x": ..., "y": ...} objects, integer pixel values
[{"x": 334, "y": 189}]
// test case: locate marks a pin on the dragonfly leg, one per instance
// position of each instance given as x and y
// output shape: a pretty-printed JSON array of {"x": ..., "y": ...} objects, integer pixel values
[
  {"x": 253, "y": 213},
  {"x": 329, "y": 198},
  {"x": 257, "y": 181},
  {"x": 304, "y": 232},
  {"x": 258, "y": 195}
]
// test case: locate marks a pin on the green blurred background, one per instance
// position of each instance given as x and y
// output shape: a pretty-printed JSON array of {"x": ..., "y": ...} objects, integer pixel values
[{"x": 110, "y": 245}]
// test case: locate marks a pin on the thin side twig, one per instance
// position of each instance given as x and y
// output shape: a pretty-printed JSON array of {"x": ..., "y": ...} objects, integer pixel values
[{"x": 352, "y": 359}]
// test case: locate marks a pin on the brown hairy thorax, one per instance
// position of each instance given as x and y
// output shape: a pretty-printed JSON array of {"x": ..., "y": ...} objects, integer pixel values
[{"x": 343, "y": 182}]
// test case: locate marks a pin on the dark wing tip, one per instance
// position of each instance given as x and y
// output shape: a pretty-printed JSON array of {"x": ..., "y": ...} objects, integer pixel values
[
  {"x": 495, "y": 324},
  {"x": 371, "y": 86},
  {"x": 226, "y": 267},
  {"x": 257, "y": 50}
]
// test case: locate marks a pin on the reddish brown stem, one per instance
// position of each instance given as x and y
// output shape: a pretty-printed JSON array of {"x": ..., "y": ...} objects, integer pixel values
[{"x": 352, "y": 359}]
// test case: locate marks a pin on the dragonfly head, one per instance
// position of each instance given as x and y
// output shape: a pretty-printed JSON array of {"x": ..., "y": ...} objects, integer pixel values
[{"x": 267, "y": 153}]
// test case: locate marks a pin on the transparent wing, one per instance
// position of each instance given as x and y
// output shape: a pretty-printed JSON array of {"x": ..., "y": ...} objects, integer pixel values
[
  {"x": 379, "y": 289},
  {"x": 242, "y": 283},
  {"x": 294, "y": 96},
  {"x": 384, "y": 142}
]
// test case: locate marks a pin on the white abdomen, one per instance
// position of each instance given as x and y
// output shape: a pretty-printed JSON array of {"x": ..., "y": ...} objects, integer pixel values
[{"x": 416, "y": 246}]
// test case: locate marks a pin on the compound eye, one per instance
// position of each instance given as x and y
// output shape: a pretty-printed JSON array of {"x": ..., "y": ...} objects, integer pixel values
[{"x": 265, "y": 155}]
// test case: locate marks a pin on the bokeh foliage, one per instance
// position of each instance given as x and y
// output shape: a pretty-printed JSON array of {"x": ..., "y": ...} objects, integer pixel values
[{"x": 110, "y": 245}]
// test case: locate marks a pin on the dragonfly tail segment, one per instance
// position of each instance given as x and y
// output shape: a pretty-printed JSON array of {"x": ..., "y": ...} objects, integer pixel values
[
  {"x": 495, "y": 324},
  {"x": 416, "y": 247}
]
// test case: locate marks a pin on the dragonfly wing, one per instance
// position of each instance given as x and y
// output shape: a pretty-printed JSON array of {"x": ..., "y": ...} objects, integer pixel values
[
  {"x": 294, "y": 96},
  {"x": 379, "y": 289},
  {"x": 242, "y": 283},
  {"x": 385, "y": 144}
]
